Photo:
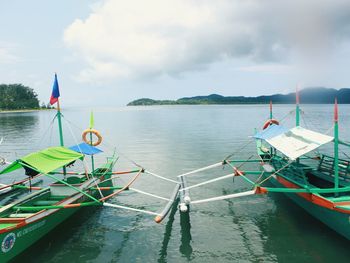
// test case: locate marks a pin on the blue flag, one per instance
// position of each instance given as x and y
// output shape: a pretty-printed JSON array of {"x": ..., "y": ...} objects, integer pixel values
[{"x": 55, "y": 91}]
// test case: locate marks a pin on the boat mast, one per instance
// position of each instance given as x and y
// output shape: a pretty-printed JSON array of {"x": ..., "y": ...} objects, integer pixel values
[
  {"x": 91, "y": 127},
  {"x": 297, "y": 110},
  {"x": 59, "y": 120},
  {"x": 271, "y": 115},
  {"x": 336, "y": 144}
]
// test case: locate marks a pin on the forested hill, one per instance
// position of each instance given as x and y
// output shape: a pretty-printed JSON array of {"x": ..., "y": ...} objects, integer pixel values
[
  {"x": 17, "y": 97},
  {"x": 307, "y": 96}
]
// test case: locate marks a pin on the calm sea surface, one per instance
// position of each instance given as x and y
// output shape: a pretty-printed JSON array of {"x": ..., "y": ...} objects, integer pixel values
[{"x": 170, "y": 140}]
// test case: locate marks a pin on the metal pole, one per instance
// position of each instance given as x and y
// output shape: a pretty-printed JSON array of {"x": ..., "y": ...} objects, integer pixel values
[
  {"x": 336, "y": 144},
  {"x": 60, "y": 129},
  {"x": 297, "y": 111},
  {"x": 92, "y": 156}
]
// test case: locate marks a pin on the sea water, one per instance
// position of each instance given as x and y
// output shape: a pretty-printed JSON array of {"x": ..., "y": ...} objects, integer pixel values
[{"x": 170, "y": 140}]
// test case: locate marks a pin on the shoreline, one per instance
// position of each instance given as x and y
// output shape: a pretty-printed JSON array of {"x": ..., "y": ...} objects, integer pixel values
[{"x": 22, "y": 111}]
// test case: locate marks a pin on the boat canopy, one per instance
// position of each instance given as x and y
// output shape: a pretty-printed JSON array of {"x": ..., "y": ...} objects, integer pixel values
[
  {"x": 85, "y": 148},
  {"x": 45, "y": 161},
  {"x": 298, "y": 141},
  {"x": 271, "y": 131}
]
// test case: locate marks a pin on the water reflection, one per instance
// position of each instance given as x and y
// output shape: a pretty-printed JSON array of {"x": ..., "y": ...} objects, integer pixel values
[
  {"x": 293, "y": 235},
  {"x": 19, "y": 131},
  {"x": 167, "y": 234},
  {"x": 12, "y": 123},
  {"x": 186, "y": 238}
]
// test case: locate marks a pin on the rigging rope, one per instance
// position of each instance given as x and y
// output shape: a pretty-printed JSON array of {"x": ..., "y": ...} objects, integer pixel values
[
  {"x": 84, "y": 161},
  {"x": 267, "y": 178}
]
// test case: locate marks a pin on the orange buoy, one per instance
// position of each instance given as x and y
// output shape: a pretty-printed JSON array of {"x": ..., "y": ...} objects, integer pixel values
[
  {"x": 270, "y": 122},
  {"x": 96, "y": 133}
]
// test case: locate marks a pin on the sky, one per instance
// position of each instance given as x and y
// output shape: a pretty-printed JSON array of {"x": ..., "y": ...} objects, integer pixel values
[{"x": 109, "y": 52}]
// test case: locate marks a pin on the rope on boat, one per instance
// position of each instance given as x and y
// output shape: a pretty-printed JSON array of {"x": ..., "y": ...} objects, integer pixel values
[
  {"x": 159, "y": 176},
  {"x": 130, "y": 208},
  {"x": 267, "y": 178},
  {"x": 84, "y": 161},
  {"x": 241, "y": 148},
  {"x": 223, "y": 197},
  {"x": 149, "y": 194},
  {"x": 208, "y": 182},
  {"x": 202, "y": 169}
]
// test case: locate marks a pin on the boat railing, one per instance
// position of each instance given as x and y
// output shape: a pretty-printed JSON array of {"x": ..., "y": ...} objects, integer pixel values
[{"x": 327, "y": 163}]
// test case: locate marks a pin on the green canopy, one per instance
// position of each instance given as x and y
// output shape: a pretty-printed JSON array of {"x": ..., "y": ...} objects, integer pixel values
[{"x": 46, "y": 160}]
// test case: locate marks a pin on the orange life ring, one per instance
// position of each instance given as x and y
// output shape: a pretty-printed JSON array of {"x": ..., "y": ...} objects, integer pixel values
[
  {"x": 270, "y": 122},
  {"x": 96, "y": 133}
]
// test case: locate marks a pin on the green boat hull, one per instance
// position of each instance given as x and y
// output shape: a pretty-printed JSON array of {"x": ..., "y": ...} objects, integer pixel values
[
  {"x": 24, "y": 237},
  {"x": 339, "y": 222},
  {"x": 17, "y": 240}
]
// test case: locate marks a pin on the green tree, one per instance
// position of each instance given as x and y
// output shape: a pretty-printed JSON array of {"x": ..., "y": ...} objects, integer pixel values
[{"x": 17, "y": 97}]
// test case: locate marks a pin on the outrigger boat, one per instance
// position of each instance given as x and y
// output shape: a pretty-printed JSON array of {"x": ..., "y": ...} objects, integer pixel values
[
  {"x": 25, "y": 221},
  {"x": 319, "y": 183}
]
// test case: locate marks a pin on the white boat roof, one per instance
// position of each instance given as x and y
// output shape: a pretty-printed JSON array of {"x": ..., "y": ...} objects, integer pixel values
[{"x": 298, "y": 141}]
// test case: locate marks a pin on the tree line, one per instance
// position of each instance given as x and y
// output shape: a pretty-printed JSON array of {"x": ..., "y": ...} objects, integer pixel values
[{"x": 19, "y": 97}]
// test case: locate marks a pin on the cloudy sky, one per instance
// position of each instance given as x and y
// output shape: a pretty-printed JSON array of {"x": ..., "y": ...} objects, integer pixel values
[{"x": 113, "y": 51}]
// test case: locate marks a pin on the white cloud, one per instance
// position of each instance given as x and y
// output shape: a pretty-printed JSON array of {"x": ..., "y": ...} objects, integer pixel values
[
  {"x": 7, "y": 55},
  {"x": 127, "y": 39},
  {"x": 268, "y": 68}
]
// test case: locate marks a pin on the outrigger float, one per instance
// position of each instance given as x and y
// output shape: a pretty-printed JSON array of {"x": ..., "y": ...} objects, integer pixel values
[{"x": 26, "y": 220}]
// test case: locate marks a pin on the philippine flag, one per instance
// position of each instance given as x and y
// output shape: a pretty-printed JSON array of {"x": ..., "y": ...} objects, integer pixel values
[{"x": 55, "y": 92}]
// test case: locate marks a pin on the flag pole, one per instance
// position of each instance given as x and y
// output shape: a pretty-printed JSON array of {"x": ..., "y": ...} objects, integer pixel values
[{"x": 56, "y": 95}]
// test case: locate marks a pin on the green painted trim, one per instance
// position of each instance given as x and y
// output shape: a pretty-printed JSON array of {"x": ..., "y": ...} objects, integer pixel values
[
  {"x": 336, "y": 155},
  {"x": 110, "y": 187},
  {"x": 92, "y": 156},
  {"x": 343, "y": 143},
  {"x": 309, "y": 190},
  {"x": 47, "y": 207},
  {"x": 60, "y": 132},
  {"x": 244, "y": 161},
  {"x": 297, "y": 116}
]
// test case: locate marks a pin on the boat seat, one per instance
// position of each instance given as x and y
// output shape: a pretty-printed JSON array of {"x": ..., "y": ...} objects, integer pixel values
[
  {"x": 21, "y": 215},
  {"x": 44, "y": 202}
]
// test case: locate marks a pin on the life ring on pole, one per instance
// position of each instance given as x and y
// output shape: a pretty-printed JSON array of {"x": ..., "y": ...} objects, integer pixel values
[
  {"x": 96, "y": 133},
  {"x": 270, "y": 122}
]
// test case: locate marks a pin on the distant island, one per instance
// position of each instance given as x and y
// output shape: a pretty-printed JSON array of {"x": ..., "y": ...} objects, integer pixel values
[
  {"x": 316, "y": 95},
  {"x": 17, "y": 97}
]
